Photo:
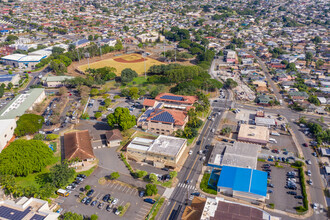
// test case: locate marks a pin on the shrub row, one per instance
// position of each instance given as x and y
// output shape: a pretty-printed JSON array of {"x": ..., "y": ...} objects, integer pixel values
[
  {"x": 303, "y": 189},
  {"x": 127, "y": 164}
]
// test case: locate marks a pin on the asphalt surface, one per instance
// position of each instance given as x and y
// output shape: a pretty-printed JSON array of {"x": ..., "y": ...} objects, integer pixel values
[{"x": 191, "y": 169}]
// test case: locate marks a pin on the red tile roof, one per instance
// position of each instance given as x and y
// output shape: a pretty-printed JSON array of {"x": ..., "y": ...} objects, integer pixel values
[
  {"x": 78, "y": 145},
  {"x": 186, "y": 99},
  {"x": 149, "y": 102}
]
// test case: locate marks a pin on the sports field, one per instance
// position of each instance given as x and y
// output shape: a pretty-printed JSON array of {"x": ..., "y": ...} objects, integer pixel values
[{"x": 133, "y": 61}]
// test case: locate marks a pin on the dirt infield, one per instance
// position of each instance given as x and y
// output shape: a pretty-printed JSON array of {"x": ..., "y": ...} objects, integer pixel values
[{"x": 122, "y": 60}]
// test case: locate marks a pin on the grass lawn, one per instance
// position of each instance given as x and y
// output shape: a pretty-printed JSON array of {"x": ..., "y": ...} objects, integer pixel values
[
  {"x": 156, "y": 209},
  {"x": 204, "y": 187},
  {"x": 137, "y": 66}
]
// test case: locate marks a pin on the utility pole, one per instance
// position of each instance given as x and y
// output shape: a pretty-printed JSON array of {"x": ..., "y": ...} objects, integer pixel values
[
  {"x": 175, "y": 52},
  {"x": 145, "y": 68},
  {"x": 87, "y": 55},
  {"x": 164, "y": 47}
]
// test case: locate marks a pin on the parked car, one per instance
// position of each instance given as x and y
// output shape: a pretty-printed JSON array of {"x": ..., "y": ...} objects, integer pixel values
[
  {"x": 141, "y": 193},
  {"x": 100, "y": 206},
  {"x": 314, "y": 154},
  {"x": 309, "y": 162},
  {"x": 94, "y": 203},
  {"x": 148, "y": 200},
  {"x": 309, "y": 173},
  {"x": 195, "y": 193},
  {"x": 106, "y": 197},
  {"x": 305, "y": 144},
  {"x": 165, "y": 169},
  {"x": 82, "y": 176},
  {"x": 292, "y": 193},
  {"x": 270, "y": 185},
  {"x": 108, "y": 208},
  {"x": 88, "y": 201},
  {"x": 114, "y": 201},
  {"x": 117, "y": 212},
  {"x": 299, "y": 197},
  {"x": 59, "y": 210},
  {"x": 84, "y": 200},
  {"x": 90, "y": 192}
]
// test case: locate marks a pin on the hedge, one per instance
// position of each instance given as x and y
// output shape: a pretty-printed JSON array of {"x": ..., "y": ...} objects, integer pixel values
[
  {"x": 127, "y": 164},
  {"x": 303, "y": 189}
]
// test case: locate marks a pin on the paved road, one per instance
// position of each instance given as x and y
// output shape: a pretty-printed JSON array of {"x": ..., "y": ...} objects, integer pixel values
[{"x": 191, "y": 170}]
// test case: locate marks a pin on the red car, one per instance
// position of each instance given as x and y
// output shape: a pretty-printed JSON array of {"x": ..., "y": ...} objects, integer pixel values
[{"x": 305, "y": 144}]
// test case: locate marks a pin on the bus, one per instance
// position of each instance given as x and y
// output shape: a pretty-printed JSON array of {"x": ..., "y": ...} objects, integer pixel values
[{"x": 62, "y": 192}]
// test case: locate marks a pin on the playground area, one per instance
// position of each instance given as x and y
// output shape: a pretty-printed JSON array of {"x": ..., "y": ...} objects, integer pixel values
[{"x": 133, "y": 61}]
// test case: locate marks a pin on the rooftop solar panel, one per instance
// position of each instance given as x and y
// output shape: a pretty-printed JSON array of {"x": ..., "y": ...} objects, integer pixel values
[
  {"x": 13, "y": 214},
  {"x": 38, "y": 217},
  {"x": 159, "y": 105},
  {"x": 170, "y": 97},
  {"x": 164, "y": 117}
]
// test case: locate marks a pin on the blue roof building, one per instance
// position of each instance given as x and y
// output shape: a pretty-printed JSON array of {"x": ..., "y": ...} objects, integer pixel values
[{"x": 243, "y": 183}]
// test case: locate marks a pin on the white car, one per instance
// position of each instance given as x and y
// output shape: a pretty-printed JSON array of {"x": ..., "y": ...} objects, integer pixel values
[
  {"x": 309, "y": 162},
  {"x": 309, "y": 173},
  {"x": 115, "y": 201},
  {"x": 310, "y": 182},
  {"x": 56, "y": 129},
  {"x": 190, "y": 152}
]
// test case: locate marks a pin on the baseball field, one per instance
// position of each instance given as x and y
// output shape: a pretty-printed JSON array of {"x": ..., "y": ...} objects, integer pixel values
[{"x": 133, "y": 61}]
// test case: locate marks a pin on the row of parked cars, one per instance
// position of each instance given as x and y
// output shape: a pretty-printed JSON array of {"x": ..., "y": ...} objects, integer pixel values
[
  {"x": 79, "y": 179},
  {"x": 107, "y": 199}
]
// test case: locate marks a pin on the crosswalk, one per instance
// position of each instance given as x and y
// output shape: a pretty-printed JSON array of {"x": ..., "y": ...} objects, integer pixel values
[{"x": 186, "y": 186}]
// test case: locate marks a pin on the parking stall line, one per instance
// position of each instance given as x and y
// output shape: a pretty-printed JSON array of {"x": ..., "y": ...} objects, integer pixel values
[
  {"x": 124, "y": 189},
  {"x": 127, "y": 190},
  {"x": 119, "y": 188},
  {"x": 116, "y": 186},
  {"x": 121, "y": 203}
]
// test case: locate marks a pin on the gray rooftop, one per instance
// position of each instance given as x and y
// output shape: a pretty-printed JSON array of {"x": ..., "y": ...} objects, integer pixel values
[
  {"x": 20, "y": 104},
  {"x": 167, "y": 145},
  {"x": 239, "y": 155}
]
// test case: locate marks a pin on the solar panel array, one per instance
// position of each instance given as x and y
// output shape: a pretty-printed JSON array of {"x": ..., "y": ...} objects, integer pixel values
[
  {"x": 171, "y": 97},
  {"x": 164, "y": 117},
  {"x": 38, "y": 217},
  {"x": 159, "y": 105},
  {"x": 13, "y": 214}
]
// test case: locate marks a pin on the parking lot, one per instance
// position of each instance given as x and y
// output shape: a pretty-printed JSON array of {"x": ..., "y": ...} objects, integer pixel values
[
  {"x": 280, "y": 197},
  {"x": 124, "y": 193}
]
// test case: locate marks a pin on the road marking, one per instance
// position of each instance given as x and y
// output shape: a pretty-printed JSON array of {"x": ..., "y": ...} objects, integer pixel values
[
  {"x": 119, "y": 187},
  {"x": 116, "y": 186},
  {"x": 121, "y": 203},
  {"x": 127, "y": 190},
  {"x": 97, "y": 195},
  {"x": 180, "y": 184}
]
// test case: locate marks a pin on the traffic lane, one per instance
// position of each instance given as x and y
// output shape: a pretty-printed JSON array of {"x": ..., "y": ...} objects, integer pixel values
[{"x": 316, "y": 190}]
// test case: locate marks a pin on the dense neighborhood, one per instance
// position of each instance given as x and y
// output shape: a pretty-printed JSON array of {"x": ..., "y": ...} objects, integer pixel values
[{"x": 164, "y": 109}]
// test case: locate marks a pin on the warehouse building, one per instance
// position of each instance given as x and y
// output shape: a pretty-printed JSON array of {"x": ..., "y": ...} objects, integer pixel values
[
  {"x": 253, "y": 134},
  {"x": 22, "y": 102},
  {"x": 268, "y": 122},
  {"x": 22, "y": 60},
  {"x": 243, "y": 183},
  {"x": 161, "y": 152}
]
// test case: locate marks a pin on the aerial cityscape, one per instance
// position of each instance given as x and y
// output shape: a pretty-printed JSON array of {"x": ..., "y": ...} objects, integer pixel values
[{"x": 164, "y": 110}]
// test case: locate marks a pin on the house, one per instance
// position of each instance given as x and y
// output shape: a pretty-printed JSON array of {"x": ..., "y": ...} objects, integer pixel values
[
  {"x": 161, "y": 152},
  {"x": 113, "y": 138},
  {"x": 77, "y": 145},
  {"x": 7, "y": 127},
  {"x": 163, "y": 121},
  {"x": 81, "y": 43},
  {"x": 298, "y": 96},
  {"x": 108, "y": 41},
  {"x": 150, "y": 37},
  {"x": 322, "y": 100},
  {"x": 26, "y": 209},
  {"x": 263, "y": 99}
]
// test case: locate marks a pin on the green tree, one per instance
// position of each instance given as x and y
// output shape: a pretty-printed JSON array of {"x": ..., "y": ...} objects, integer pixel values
[
  {"x": 71, "y": 216},
  {"x": 116, "y": 97},
  {"x": 119, "y": 45},
  {"x": 107, "y": 102},
  {"x": 173, "y": 174},
  {"x": 11, "y": 38},
  {"x": 230, "y": 83},
  {"x": 141, "y": 173},
  {"x": 57, "y": 50},
  {"x": 122, "y": 118},
  {"x": 58, "y": 66},
  {"x": 23, "y": 157},
  {"x": 134, "y": 93},
  {"x": 153, "y": 178},
  {"x": 308, "y": 56},
  {"x": 313, "y": 99},
  {"x": 10, "y": 85},
  {"x": 226, "y": 130},
  {"x": 94, "y": 217},
  {"x": 97, "y": 114},
  {"x": 114, "y": 175},
  {"x": 94, "y": 92},
  {"x": 151, "y": 189},
  {"x": 291, "y": 67},
  {"x": 120, "y": 208},
  {"x": 82, "y": 9},
  {"x": 51, "y": 137},
  {"x": 28, "y": 124},
  {"x": 317, "y": 40},
  {"x": 127, "y": 75},
  {"x": 61, "y": 174},
  {"x": 87, "y": 187},
  {"x": 319, "y": 63}
]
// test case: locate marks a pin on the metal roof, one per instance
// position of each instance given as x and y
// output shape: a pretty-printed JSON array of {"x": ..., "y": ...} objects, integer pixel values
[
  {"x": 244, "y": 180},
  {"x": 20, "y": 104},
  {"x": 7, "y": 77}
]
